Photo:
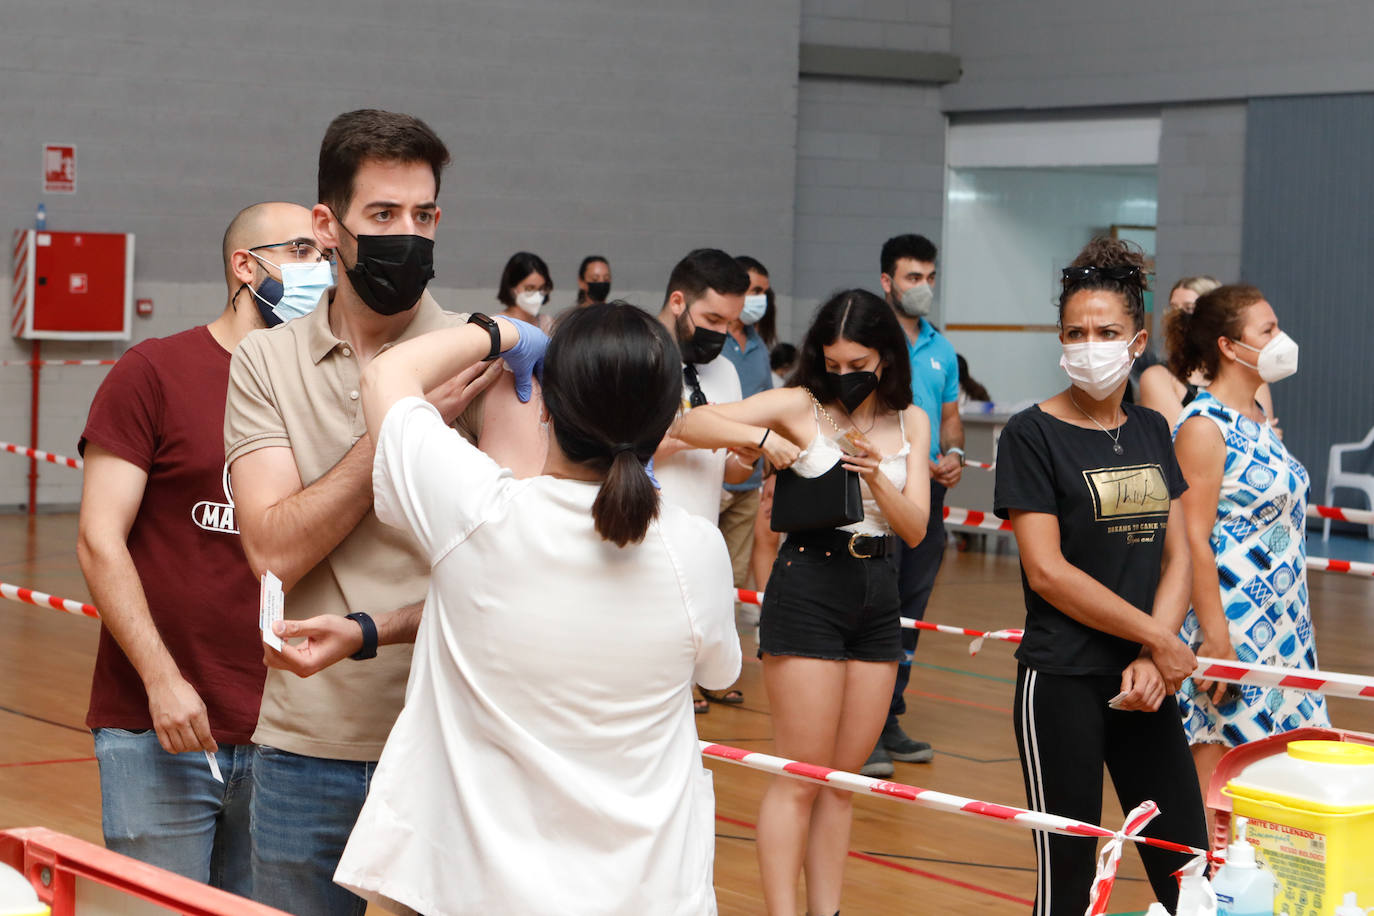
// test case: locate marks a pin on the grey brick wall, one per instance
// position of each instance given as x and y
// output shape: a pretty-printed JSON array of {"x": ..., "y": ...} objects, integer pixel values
[
  {"x": 1072, "y": 53},
  {"x": 638, "y": 129},
  {"x": 1201, "y": 193},
  {"x": 870, "y": 155}
]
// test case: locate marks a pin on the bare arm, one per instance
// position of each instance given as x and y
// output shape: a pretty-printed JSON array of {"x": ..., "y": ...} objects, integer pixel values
[
  {"x": 288, "y": 528},
  {"x": 111, "y": 493},
  {"x": 1202, "y": 458},
  {"x": 786, "y": 412},
  {"x": 1159, "y": 392},
  {"x": 1088, "y": 601},
  {"x": 948, "y": 471}
]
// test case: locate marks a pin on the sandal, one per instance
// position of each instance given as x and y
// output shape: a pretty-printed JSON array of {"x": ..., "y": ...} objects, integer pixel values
[
  {"x": 731, "y": 697},
  {"x": 700, "y": 706}
]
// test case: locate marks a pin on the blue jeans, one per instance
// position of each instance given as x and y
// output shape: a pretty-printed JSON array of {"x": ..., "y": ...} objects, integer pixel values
[
  {"x": 167, "y": 810},
  {"x": 304, "y": 809}
]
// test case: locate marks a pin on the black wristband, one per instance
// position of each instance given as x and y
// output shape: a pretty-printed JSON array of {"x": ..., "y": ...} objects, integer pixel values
[
  {"x": 482, "y": 321},
  {"x": 765, "y": 437},
  {"x": 369, "y": 649}
]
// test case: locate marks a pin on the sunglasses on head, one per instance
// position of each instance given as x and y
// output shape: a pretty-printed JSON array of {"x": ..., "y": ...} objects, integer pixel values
[{"x": 1092, "y": 272}]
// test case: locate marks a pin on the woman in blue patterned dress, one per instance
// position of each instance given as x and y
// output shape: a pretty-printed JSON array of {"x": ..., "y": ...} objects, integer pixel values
[{"x": 1245, "y": 506}]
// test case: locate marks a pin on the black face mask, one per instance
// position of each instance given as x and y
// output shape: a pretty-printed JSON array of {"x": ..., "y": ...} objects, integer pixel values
[
  {"x": 703, "y": 346},
  {"x": 598, "y": 291},
  {"x": 851, "y": 388},
  {"x": 392, "y": 271}
]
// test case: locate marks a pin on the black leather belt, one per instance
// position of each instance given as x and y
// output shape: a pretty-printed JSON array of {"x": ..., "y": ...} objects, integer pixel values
[{"x": 859, "y": 546}]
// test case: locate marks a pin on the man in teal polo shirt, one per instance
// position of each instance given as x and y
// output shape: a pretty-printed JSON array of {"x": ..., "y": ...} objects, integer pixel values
[{"x": 908, "y": 280}]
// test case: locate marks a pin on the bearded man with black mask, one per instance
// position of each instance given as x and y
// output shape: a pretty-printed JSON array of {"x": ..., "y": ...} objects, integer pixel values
[
  {"x": 300, "y": 462},
  {"x": 705, "y": 294}
]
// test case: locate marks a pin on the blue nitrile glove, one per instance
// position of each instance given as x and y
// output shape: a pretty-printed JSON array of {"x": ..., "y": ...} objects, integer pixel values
[
  {"x": 526, "y": 358},
  {"x": 649, "y": 469}
]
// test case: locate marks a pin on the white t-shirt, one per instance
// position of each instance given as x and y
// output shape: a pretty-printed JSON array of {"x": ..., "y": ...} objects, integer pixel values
[
  {"x": 692, "y": 478},
  {"x": 546, "y": 760}
]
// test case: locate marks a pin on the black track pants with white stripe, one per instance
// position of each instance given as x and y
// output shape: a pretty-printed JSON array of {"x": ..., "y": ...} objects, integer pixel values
[{"x": 1065, "y": 733}]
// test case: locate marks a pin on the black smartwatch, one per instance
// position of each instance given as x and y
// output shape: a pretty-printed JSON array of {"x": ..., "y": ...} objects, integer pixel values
[
  {"x": 369, "y": 649},
  {"x": 482, "y": 321}
]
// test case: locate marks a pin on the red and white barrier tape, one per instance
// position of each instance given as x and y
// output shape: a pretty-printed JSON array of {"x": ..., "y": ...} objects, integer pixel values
[
  {"x": 925, "y": 798},
  {"x": 1331, "y": 683},
  {"x": 1110, "y": 857},
  {"x": 42, "y": 599},
  {"x": 981, "y": 465},
  {"x": 1340, "y": 566},
  {"x": 1336, "y": 513},
  {"x": 57, "y": 362},
  {"x": 972, "y": 518},
  {"x": 63, "y": 460}
]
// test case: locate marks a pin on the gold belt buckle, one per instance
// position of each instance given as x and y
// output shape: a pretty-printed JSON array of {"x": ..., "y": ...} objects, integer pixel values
[{"x": 854, "y": 553}]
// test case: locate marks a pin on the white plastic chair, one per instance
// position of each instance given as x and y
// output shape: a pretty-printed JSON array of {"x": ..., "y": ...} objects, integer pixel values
[{"x": 1337, "y": 478}]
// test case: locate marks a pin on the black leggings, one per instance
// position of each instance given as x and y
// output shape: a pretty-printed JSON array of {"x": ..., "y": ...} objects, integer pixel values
[{"x": 1065, "y": 733}]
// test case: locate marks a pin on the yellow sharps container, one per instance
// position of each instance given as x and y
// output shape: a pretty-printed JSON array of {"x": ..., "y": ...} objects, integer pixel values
[{"x": 1311, "y": 820}]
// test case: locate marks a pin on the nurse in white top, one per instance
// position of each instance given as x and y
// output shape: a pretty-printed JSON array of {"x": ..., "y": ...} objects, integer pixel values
[
  {"x": 830, "y": 633},
  {"x": 502, "y": 789}
]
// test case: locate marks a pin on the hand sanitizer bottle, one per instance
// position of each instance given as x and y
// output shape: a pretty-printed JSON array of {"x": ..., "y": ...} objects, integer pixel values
[{"x": 1242, "y": 887}]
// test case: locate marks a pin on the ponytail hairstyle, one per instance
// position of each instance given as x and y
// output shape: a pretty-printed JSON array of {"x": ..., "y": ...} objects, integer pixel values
[
  {"x": 1192, "y": 336},
  {"x": 612, "y": 386},
  {"x": 1112, "y": 266}
]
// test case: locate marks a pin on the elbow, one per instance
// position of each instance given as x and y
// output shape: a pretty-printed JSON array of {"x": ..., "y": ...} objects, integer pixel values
[
  {"x": 913, "y": 535},
  {"x": 1039, "y": 577}
]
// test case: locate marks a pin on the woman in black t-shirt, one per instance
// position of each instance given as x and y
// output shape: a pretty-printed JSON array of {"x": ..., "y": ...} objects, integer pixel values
[{"x": 1091, "y": 487}]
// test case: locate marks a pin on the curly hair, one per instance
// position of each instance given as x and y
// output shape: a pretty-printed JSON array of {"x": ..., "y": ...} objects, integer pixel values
[
  {"x": 1106, "y": 264},
  {"x": 1192, "y": 336}
]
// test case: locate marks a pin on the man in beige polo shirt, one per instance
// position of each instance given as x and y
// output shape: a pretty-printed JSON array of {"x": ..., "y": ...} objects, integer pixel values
[{"x": 301, "y": 466}]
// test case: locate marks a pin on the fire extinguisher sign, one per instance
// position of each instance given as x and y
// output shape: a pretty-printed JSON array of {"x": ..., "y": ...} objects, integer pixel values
[{"x": 59, "y": 168}]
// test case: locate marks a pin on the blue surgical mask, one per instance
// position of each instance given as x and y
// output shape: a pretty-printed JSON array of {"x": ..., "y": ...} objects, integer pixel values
[
  {"x": 754, "y": 308},
  {"x": 297, "y": 294}
]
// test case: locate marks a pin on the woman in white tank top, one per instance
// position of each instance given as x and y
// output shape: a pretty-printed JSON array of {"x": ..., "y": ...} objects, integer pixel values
[{"x": 829, "y": 633}]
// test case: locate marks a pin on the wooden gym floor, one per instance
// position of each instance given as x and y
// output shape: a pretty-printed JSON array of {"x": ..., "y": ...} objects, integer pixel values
[{"x": 904, "y": 859}]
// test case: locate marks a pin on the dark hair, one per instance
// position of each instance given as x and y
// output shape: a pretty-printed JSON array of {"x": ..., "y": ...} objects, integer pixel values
[
  {"x": 781, "y": 356},
  {"x": 520, "y": 266},
  {"x": 1112, "y": 266},
  {"x": 754, "y": 264},
  {"x": 703, "y": 269},
  {"x": 915, "y": 247},
  {"x": 588, "y": 261},
  {"x": 767, "y": 326},
  {"x": 612, "y": 386},
  {"x": 1192, "y": 338},
  {"x": 355, "y": 137},
  {"x": 860, "y": 316},
  {"x": 972, "y": 388}
]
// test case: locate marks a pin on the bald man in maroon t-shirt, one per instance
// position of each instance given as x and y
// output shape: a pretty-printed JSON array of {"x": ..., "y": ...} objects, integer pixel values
[{"x": 179, "y": 670}]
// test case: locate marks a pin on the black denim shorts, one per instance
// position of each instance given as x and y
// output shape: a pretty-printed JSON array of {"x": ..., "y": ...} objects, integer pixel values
[{"x": 821, "y": 602}]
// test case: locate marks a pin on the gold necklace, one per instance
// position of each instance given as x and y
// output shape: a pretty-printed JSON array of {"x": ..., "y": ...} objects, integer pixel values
[{"x": 1116, "y": 446}]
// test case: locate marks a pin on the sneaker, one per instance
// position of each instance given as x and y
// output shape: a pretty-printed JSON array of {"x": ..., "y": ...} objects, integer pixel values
[
  {"x": 879, "y": 765},
  {"x": 901, "y": 746}
]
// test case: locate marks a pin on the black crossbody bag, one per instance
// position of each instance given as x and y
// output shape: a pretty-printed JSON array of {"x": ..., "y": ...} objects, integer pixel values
[{"x": 832, "y": 500}]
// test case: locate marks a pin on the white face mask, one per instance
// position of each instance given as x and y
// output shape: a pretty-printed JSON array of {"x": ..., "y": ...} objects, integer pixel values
[
  {"x": 916, "y": 301},
  {"x": 1098, "y": 366},
  {"x": 1277, "y": 360},
  {"x": 754, "y": 308},
  {"x": 531, "y": 301}
]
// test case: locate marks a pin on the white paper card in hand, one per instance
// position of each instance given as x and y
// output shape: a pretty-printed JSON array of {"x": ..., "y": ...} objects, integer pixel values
[
  {"x": 271, "y": 603},
  {"x": 214, "y": 766}
]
